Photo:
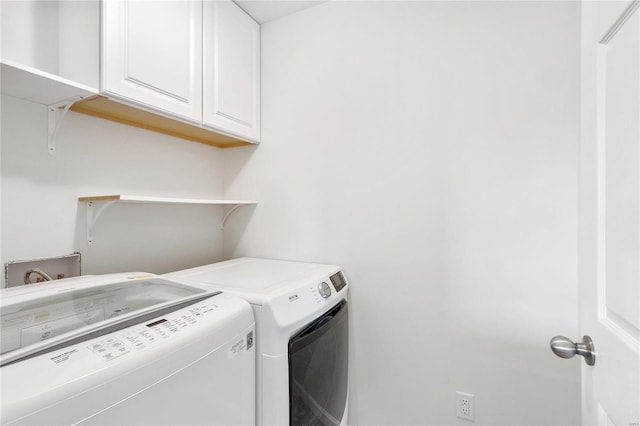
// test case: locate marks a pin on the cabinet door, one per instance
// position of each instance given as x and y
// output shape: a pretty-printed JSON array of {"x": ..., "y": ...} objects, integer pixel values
[
  {"x": 231, "y": 70},
  {"x": 152, "y": 54}
]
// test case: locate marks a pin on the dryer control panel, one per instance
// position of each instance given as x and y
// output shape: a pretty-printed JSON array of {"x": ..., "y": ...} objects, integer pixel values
[
  {"x": 328, "y": 287},
  {"x": 308, "y": 301}
]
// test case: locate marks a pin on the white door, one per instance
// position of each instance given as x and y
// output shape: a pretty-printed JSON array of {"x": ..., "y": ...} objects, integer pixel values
[
  {"x": 152, "y": 54},
  {"x": 609, "y": 234},
  {"x": 231, "y": 70}
]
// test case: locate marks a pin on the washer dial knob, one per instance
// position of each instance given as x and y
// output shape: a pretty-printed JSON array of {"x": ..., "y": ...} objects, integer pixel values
[{"x": 324, "y": 289}]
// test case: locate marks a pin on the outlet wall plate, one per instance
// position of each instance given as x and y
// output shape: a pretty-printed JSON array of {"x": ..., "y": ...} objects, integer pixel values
[{"x": 465, "y": 406}]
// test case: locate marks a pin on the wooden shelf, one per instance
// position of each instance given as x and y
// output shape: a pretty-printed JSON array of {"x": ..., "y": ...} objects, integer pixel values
[
  {"x": 114, "y": 110},
  {"x": 96, "y": 205}
]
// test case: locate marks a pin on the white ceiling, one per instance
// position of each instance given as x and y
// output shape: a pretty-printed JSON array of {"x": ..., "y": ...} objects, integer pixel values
[{"x": 268, "y": 10}]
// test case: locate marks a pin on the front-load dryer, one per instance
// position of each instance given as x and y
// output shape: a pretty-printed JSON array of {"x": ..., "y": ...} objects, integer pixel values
[
  {"x": 125, "y": 349},
  {"x": 302, "y": 335}
]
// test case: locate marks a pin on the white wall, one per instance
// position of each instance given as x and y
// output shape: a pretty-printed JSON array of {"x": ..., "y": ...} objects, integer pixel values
[
  {"x": 59, "y": 37},
  {"x": 430, "y": 148},
  {"x": 41, "y": 215},
  {"x": 37, "y": 46}
]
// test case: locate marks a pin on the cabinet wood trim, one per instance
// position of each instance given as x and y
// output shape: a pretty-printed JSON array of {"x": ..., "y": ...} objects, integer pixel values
[{"x": 110, "y": 109}]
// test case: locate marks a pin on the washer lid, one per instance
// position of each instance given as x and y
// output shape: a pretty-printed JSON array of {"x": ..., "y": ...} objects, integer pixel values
[{"x": 34, "y": 318}]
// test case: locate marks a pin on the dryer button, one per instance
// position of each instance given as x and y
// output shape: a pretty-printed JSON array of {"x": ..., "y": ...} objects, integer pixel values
[{"x": 324, "y": 289}]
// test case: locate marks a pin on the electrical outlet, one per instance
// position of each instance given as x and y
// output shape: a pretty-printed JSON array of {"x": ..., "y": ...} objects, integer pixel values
[{"x": 465, "y": 408}]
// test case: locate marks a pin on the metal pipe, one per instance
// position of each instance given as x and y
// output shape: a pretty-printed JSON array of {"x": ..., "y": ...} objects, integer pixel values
[{"x": 44, "y": 275}]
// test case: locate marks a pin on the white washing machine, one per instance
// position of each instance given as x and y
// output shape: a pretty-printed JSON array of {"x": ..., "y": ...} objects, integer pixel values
[
  {"x": 302, "y": 335},
  {"x": 125, "y": 349}
]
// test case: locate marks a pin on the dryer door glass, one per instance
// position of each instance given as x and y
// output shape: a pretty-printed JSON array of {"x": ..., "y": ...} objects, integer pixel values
[{"x": 318, "y": 370}]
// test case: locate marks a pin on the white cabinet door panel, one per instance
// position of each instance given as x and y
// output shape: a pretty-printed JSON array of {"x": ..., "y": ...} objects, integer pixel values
[
  {"x": 231, "y": 69},
  {"x": 152, "y": 54}
]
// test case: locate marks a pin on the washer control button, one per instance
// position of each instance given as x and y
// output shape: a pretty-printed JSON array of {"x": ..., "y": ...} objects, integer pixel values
[{"x": 324, "y": 289}]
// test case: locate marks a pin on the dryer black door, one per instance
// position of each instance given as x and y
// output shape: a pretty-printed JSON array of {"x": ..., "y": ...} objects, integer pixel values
[{"x": 318, "y": 370}]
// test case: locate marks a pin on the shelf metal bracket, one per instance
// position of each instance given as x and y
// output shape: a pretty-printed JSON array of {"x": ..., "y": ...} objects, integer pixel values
[
  {"x": 56, "y": 113},
  {"x": 93, "y": 213},
  {"x": 225, "y": 214}
]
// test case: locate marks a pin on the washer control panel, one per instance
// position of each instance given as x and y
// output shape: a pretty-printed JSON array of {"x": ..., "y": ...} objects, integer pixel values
[{"x": 144, "y": 335}]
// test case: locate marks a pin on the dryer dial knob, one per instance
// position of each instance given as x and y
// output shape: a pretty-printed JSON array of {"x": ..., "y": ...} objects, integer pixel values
[{"x": 324, "y": 289}]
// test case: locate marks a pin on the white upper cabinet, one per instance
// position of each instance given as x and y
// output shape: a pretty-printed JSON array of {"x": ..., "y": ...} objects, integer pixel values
[
  {"x": 187, "y": 68},
  {"x": 231, "y": 70},
  {"x": 152, "y": 54}
]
